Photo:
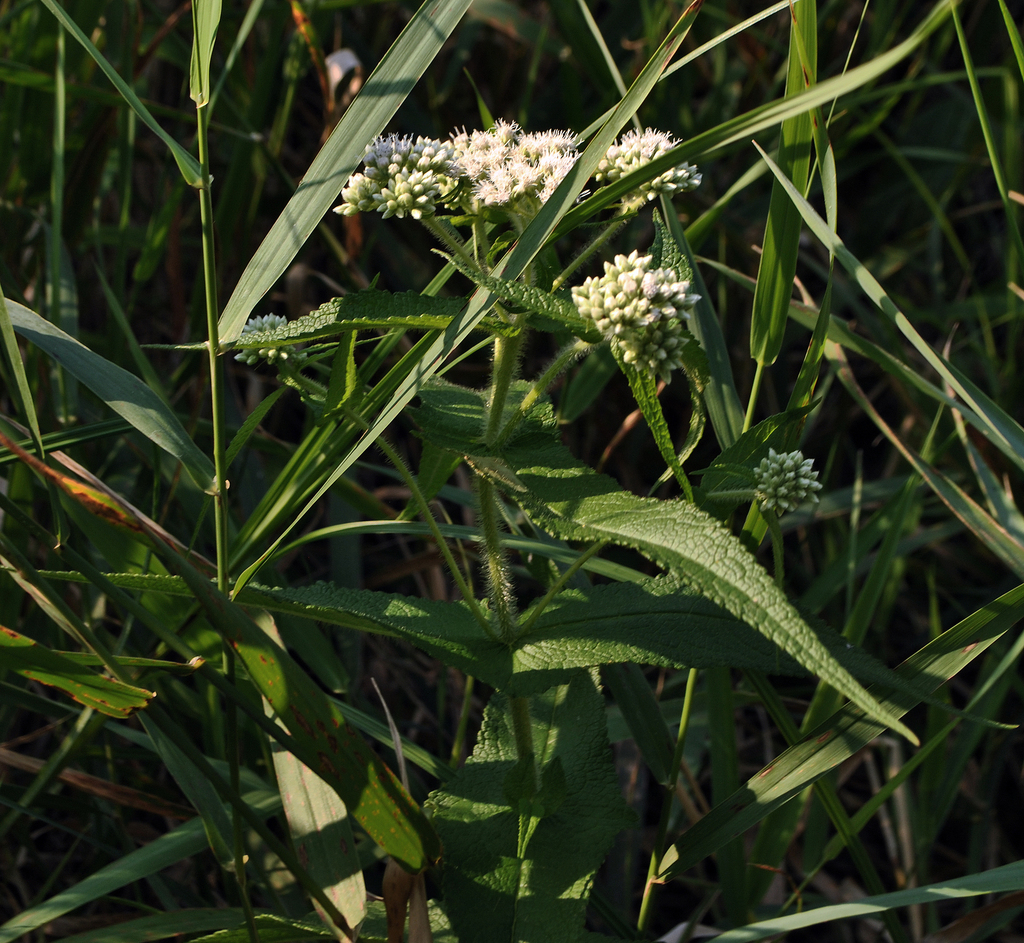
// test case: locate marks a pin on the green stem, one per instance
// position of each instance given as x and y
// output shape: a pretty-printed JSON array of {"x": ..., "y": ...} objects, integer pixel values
[
  {"x": 497, "y": 575},
  {"x": 773, "y": 526},
  {"x": 506, "y": 357},
  {"x": 220, "y": 495},
  {"x": 460, "y": 731},
  {"x": 521, "y": 729},
  {"x": 450, "y": 239},
  {"x": 212, "y": 345},
  {"x": 442, "y": 544},
  {"x": 601, "y": 239},
  {"x": 568, "y": 354},
  {"x": 755, "y": 389},
  {"x": 647, "y": 904}
]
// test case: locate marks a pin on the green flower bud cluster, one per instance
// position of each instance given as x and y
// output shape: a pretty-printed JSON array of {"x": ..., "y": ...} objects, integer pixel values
[
  {"x": 401, "y": 177},
  {"x": 636, "y": 149},
  {"x": 640, "y": 310},
  {"x": 785, "y": 480},
  {"x": 266, "y": 322}
]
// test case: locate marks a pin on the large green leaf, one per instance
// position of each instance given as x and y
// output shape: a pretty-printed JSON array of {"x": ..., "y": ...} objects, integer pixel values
[
  {"x": 123, "y": 392},
  {"x": 843, "y": 734},
  {"x": 387, "y": 87},
  {"x": 493, "y": 892},
  {"x": 576, "y": 503}
]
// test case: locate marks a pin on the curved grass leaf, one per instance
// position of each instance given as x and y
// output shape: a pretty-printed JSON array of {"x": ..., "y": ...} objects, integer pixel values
[
  {"x": 123, "y": 392},
  {"x": 163, "y": 925},
  {"x": 31, "y": 660},
  {"x": 1010, "y": 877},
  {"x": 843, "y": 734},
  {"x": 385, "y": 90},
  {"x": 1003, "y": 430},
  {"x": 495, "y": 888},
  {"x": 205, "y": 20}
]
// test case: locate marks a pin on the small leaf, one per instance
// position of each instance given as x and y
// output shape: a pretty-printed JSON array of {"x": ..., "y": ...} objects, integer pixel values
[{"x": 31, "y": 660}]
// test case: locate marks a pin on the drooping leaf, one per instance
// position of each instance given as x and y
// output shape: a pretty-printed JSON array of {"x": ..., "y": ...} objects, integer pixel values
[
  {"x": 31, "y": 660},
  {"x": 576, "y": 503},
  {"x": 123, "y": 392},
  {"x": 187, "y": 164},
  {"x": 492, "y": 893}
]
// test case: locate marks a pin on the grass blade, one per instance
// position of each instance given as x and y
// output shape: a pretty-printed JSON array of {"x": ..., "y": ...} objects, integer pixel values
[{"x": 385, "y": 90}]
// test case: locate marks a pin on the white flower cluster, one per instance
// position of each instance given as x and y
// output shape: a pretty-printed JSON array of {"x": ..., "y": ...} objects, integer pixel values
[
  {"x": 510, "y": 168},
  {"x": 640, "y": 310},
  {"x": 634, "y": 150},
  {"x": 265, "y": 322},
  {"x": 785, "y": 480},
  {"x": 401, "y": 177}
]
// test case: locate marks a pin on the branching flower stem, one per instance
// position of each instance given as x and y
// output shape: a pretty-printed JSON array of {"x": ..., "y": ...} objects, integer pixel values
[
  {"x": 647, "y": 904},
  {"x": 603, "y": 237}
]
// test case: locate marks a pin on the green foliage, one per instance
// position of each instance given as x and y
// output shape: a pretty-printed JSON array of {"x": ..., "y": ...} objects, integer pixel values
[
  {"x": 523, "y": 871},
  {"x": 552, "y": 550}
]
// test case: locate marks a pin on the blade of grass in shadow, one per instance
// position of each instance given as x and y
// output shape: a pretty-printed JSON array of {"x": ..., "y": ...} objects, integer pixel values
[
  {"x": 990, "y": 143},
  {"x": 187, "y": 164},
  {"x": 782, "y": 229},
  {"x": 843, "y": 734},
  {"x": 385, "y": 90},
  {"x": 1005, "y": 431}
]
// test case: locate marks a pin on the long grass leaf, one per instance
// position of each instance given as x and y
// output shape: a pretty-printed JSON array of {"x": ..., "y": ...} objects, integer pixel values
[
  {"x": 119, "y": 389},
  {"x": 385, "y": 90}
]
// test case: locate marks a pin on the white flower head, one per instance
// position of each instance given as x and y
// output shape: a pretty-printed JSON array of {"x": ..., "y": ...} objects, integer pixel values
[
  {"x": 785, "y": 480},
  {"x": 265, "y": 322},
  {"x": 401, "y": 177},
  {"x": 636, "y": 149},
  {"x": 640, "y": 309},
  {"x": 509, "y": 168}
]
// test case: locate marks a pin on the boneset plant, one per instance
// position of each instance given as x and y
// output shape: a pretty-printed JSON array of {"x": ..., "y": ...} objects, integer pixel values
[{"x": 513, "y": 837}]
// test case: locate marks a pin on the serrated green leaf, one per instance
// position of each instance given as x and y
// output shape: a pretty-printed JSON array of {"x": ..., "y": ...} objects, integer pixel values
[
  {"x": 844, "y": 733},
  {"x": 123, "y": 392},
  {"x": 493, "y": 895},
  {"x": 28, "y": 658},
  {"x": 369, "y": 308},
  {"x": 576, "y": 503}
]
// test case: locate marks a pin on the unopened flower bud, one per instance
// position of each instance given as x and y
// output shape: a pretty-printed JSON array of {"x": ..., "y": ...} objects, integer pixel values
[{"x": 785, "y": 480}]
